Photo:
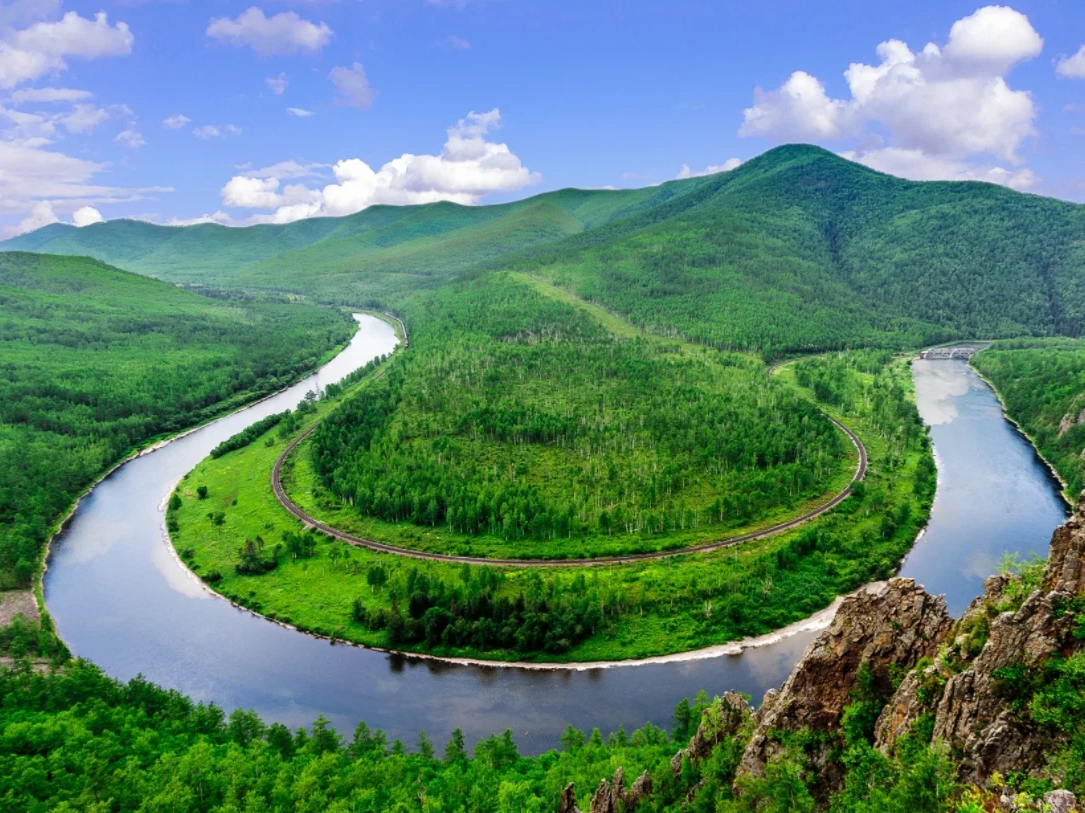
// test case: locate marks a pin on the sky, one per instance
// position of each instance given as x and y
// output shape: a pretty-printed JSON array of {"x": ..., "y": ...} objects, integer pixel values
[{"x": 180, "y": 111}]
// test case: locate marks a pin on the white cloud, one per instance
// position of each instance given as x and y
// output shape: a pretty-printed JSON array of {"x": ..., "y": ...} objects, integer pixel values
[
  {"x": 352, "y": 87},
  {"x": 208, "y": 131},
  {"x": 458, "y": 43},
  {"x": 86, "y": 215},
  {"x": 132, "y": 139},
  {"x": 1072, "y": 67},
  {"x": 799, "y": 110},
  {"x": 176, "y": 121},
  {"x": 252, "y": 193},
  {"x": 711, "y": 169},
  {"x": 945, "y": 104},
  {"x": 49, "y": 95},
  {"x": 41, "y": 214},
  {"x": 283, "y": 170},
  {"x": 84, "y": 118},
  {"x": 279, "y": 35},
  {"x": 917, "y": 165},
  {"x": 299, "y": 112},
  {"x": 32, "y": 174},
  {"x": 44, "y": 47},
  {"x": 277, "y": 83},
  {"x": 468, "y": 168},
  {"x": 990, "y": 42}
]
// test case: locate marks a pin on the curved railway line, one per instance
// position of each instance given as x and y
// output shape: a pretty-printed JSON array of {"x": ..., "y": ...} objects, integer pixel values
[{"x": 720, "y": 544}]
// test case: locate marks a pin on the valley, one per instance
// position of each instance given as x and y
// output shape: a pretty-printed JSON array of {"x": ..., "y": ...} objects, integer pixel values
[{"x": 622, "y": 433}]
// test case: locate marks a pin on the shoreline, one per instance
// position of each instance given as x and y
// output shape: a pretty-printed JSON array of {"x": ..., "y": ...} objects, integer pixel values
[
  {"x": 1031, "y": 442},
  {"x": 153, "y": 446}
]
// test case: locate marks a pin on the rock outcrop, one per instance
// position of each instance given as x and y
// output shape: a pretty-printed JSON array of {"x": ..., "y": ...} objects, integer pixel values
[
  {"x": 609, "y": 797},
  {"x": 962, "y": 688},
  {"x": 973, "y": 714},
  {"x": 885, "y": 626},
  {"x": 723, "y": 719}
]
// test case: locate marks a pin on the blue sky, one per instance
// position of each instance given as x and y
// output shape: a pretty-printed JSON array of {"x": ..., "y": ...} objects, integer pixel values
[{"x": 270, "y": 110}]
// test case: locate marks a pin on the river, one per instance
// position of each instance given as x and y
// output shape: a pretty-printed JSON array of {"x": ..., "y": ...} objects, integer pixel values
[{"x": 122, "y": 600}]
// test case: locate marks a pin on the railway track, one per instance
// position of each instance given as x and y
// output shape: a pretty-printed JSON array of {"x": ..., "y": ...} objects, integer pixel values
[{"x": 721, "y": 544}]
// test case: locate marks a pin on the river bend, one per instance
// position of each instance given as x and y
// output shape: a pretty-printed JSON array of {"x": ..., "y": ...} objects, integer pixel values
[{"x": 121, "y": 599}]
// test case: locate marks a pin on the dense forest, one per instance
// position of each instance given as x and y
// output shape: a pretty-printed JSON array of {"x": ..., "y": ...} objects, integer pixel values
[
  {"x": 1042, "y": 384},
  {"x": 78, "y": 740},
  {"x": 797, "y": 250},
  {"x": 96, "y": 362},
  {"x": 230, "y": 530},
  {"x": 521, "y": 418}
]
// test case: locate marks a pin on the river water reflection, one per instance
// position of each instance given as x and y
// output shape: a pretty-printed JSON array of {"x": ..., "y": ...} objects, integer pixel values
[
  {"x": 995, "y": 495},
  {"x": 123, "y": 601}
]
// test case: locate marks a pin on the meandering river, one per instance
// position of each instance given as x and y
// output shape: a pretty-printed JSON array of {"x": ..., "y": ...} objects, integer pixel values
[{"x": 121, "y": 599}]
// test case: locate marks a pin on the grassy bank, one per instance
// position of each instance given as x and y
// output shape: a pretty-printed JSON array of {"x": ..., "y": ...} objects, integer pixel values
[{"x": 559, "y": 614}]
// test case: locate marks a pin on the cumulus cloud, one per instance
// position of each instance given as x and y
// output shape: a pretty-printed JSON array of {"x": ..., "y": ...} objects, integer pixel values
[
  {"x": 209, "y": 131},
  {"x": 44, "y": 47},
  {"x": 277, "y": 83},
  {"x": 299, "y": 112},
  {"x": 40, "y": 214},
  {"x": 943, "y": 104},
  {"x": 467, "y": 168},
  {"x": 1072, "y": 67},
  {"x": 130, "y": 138},
  {"x": 279, "y": 35},
  {"x": 86, "y": 215},
  {"x": 175, "y": 122},
  {"x": 711, "y": 169},
  {"x": 917, "y": 165},
  {"x": 352, "y": 87}
]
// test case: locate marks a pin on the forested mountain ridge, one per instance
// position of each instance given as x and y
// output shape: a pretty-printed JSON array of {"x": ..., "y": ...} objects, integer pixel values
[
  {"x": 795, "y": 250},
  {"x": 376, "y": 252}
]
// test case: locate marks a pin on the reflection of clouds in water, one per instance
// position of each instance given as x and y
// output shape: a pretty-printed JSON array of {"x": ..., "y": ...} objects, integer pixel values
[
  {"x": 97, "y": 534},
  {"x": 937, "y": 384},
  {"x": 979, "y": 564},
  {"x": 174, "y": 573}
]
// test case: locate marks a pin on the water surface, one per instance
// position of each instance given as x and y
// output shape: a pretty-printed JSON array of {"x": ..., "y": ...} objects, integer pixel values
[
  {"x": 122, "y": 600},
  {"x": 995, "y": 494}
]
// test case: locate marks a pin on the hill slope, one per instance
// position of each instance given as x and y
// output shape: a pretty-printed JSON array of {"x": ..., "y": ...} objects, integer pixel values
[
  {"x": 795, "y": 250},
  {"x": 97, "y": 361}
]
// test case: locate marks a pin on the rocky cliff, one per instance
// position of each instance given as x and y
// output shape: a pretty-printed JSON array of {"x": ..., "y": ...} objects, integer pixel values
[{"x": 972, "y": 685}]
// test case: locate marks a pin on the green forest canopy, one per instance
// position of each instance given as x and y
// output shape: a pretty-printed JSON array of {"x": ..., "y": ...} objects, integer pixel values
[
  {"x": 97, "y": 361},
  {"x": 520, "y": 418}
]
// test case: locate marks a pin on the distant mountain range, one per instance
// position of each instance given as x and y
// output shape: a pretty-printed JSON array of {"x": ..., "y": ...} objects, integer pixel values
[{"x": 795, "y": 250}]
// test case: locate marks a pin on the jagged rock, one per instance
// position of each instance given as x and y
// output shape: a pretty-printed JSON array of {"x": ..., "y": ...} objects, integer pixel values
[
  {"x": 733, "y": 712},
  {"x": 1060, "y": 801},
  {"x": 567, "y": 800},
  {"x": 971, "y": 715},
  {"x": 919, "y": 691},
  {"x": 603, "y": 800},
  {"x": 1066, "y": 562},
  {"x": 889, "y": 623},
  {"x": 638, "y": 792}
]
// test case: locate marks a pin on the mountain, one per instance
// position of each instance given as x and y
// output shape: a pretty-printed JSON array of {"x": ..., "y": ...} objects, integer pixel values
[
  {"x": 796, "y": 250},
  {"x": 377, "y": 251}
]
